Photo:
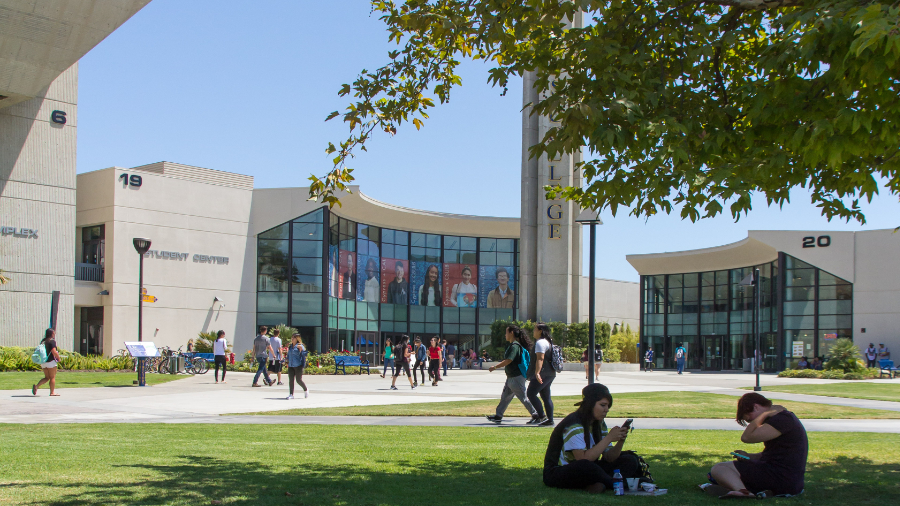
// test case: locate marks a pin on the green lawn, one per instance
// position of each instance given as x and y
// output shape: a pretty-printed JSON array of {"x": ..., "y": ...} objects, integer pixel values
[
  {"x": 107, "y": 464},
  {"x": 633, "y": 405},
  {"x": 65, "y": 379},
  {"x": 853, "y": 390}
]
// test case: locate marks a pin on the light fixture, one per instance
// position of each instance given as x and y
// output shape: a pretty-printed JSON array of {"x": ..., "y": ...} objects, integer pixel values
[
  {"x": 104, "y": 292},
  {"x": 216, "y": 299}
]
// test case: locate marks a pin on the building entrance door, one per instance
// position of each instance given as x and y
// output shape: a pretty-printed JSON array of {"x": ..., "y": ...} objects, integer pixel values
[
  {"x": 712, "y": 353},
  {"x": 368, "y": 345},
  {"x": 91, "y": 331}
]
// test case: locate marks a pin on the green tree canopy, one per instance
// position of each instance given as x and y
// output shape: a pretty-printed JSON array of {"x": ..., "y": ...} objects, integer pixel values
[{"x": 691, "y": 103}]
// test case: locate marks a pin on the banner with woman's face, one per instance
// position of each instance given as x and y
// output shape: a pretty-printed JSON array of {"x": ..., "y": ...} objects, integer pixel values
[
  {"x": 460, "y": 284},
  {"x": 420, "y": 275}
]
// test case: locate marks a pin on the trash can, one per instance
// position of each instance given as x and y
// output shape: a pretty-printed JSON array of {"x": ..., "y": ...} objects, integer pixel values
[
  {"x": 748, "y": 364},
  {"x": 176, "y": 364}
]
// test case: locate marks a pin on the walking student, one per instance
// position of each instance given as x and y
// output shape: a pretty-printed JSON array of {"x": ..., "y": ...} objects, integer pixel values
[
  {"x": 388, "y": 357},
  {"x": 680, "y": 356},
  {"x": 648, "y": 359},
  {"x": 49, "y": 367},
  {"x": 598, "y": 359},
  {"x": 542, "y": 375},
  {"x": 296, "y": 359},
  {"x": 261, "y": 350},
  {"x": 421, "y": 358},
  {"x": 445, "y": 357},
  {"x": 514, "y": 364},
  {"x": 401, "y": 358},
  {"x": 275, "y": 365},
  {"x": 434, "y": 361},
  {"x": 220, "y": 347}
]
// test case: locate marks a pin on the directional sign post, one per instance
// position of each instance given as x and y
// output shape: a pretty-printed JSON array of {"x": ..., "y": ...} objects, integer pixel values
[{"x": 149, "y": 298}]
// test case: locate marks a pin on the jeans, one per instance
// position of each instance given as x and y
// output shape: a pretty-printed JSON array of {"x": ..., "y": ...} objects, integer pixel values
[
  {"x": 515, "y": 387},
  {"x": 388, "y": 362},
  {"x": 221, "y": 360},
  {"x": 448, "y": 361},
  {"x": 295, "y": 372},
  {"x": 420, "y": 366},
  {"x": 261, "y": 368},
  {"x": 542, "y": 389},
  {"x": 680, "y": 364},
  {"x": 434, "y": 370}
]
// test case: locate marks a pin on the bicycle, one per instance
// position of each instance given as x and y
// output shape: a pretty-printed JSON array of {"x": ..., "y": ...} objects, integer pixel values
[{"x": 192, "y": 365}]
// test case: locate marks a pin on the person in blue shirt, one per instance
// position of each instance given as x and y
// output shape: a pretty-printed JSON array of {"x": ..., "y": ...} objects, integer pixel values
[
  {"x": 648, "y": 359},
  {"x": 421, "y": 355},
  {"x": 680, "y": 357},
  {"x": 296, "y": 359}
]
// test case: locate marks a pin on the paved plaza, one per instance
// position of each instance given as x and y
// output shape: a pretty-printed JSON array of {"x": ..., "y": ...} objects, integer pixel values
[{"x": 198, "y": 399}]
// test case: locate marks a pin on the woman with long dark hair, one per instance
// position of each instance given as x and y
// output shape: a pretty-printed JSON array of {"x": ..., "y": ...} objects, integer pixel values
[
  {"x": 435, "y": 355},
  {"x": 430, "y": 291},
  {"x": 388, "y": 357},
  {"x": 220, "y": 347},
  {"x": 50, "y": 366},
  {"x": 541, "y": 376},
  {"x": 582, "y": 452},
  {"x": 777, "y": 470},
  {"x": 513, "y": 364},
  {"x": 296, "y": 358}
]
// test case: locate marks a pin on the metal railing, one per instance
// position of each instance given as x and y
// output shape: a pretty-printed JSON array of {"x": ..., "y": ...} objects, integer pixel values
[{"x": 88, "y": 272}]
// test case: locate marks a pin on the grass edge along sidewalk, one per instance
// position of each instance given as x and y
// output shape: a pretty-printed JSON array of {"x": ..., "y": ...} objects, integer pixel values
[
  {"x": 881, "y": 391},
  {"x": 22, "y": 380},
  {"x": 627, "y": 405},
  {"x": 331, "y": 465}
]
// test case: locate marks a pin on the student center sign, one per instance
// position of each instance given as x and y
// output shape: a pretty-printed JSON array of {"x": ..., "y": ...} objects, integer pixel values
[{"x": 226, "y": 255}]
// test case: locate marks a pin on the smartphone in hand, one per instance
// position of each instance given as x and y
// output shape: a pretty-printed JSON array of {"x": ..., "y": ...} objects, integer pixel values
[
  {"x": 627, "y": 424},
  {"x": 740, "y": 456}
]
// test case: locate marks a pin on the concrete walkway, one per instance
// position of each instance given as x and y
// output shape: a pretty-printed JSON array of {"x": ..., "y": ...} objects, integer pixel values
[{"x": 198, "y": 399}]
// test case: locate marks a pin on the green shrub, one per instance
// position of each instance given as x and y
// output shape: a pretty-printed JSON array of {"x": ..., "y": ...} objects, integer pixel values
[
  {"x": 808, "y": 373},
  {"x": 853, "y": 376},
  {"x": 204, "y": 342},
  {"x": 572, "y": 354},
  {"x": 573, "y": 336},
  {"x": 844, "y": 356},
  {"x": 832, "y": 374}
]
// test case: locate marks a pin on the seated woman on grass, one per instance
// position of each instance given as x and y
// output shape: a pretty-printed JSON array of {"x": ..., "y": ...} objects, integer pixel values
[
  {"x": 582, "y": 453},
  {"x": 779, "y": 468}
]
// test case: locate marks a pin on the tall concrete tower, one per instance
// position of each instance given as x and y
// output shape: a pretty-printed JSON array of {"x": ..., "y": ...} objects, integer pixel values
[{"x": 550, "y": 246}]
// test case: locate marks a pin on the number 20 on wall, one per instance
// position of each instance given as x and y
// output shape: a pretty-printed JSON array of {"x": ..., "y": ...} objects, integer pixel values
[
  {"x": 134, "y": 180},
  {"x": 823, "y": 241}
]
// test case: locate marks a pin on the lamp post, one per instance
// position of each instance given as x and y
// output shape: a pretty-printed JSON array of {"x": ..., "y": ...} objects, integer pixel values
[
  {"x": 141, "y": 246},
  {"x": 754, "y": 280},
  {"x": 591, "y": 218}
]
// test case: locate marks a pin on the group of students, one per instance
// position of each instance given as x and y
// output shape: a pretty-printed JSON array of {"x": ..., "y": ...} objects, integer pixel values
[
  {"x": 873, "y": 355},
  {"x": 399, "y": 357},
  {"x": 583, "y": 453},
  {"x": 271, "y": 357},
  {"x": 520, "y": 367}
]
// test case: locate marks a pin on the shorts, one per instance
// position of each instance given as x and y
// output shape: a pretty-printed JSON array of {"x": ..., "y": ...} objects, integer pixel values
[
  {"x": 49, "y": 365},
  {"x": 274, "y": 366},
  {"x": 398, "y": 366}
]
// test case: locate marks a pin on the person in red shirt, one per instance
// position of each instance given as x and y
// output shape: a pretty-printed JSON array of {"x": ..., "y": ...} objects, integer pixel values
[{"x": 434, "y": 360}]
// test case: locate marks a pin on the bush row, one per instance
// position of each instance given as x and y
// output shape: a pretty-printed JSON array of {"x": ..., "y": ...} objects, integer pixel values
[
  {"x": 619, "y": 342},
  {"x": 829, "y": 374},
  {"x": 17, "y": 358}
]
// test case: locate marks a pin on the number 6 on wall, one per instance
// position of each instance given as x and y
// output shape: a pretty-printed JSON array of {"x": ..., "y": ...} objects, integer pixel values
[{"x": 134, "y": 180}]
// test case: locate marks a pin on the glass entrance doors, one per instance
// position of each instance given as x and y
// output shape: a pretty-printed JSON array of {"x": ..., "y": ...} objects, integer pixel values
[
  {"x": 91, "y": 341},
  {"x": 712, "y": 353},
  {"x": 368, "y": 345}
]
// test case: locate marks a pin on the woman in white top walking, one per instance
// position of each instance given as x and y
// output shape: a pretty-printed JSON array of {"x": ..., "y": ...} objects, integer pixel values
[{"x": 220, "y": 346}]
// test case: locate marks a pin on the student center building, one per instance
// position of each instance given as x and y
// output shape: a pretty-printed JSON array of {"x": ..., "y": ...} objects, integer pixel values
[{"x": 228, "y": 256}]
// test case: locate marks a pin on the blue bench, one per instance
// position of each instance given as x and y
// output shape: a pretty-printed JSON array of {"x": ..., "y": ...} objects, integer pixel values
[
  {"x": 887, "y": 367},
  {"x": 342, "y": 362}
]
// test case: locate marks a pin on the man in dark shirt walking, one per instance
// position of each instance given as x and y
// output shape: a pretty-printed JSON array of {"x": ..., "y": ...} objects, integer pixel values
[{"x": 261, "y": 350}]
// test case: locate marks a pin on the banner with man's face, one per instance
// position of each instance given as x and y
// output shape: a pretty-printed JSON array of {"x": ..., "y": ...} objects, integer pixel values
[
  {"x": 347, "y": 275},
  {"x": 496, "y": 290},
  {"x": 394, "y": 281},
  {"x": 368, "y": 279}
]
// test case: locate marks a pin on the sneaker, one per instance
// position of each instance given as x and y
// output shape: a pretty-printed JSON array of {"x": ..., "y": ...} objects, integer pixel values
[
  {"x": 494, "y": 418},
  {"x": 289, "y": 397},
  {"x": 280, "y": 383},
  {"x": 534, "y": 420},
  {"x": 415, "y": 383},
  {"x": 255, "y": 385},
  {"x": 546, "y": 422},
  {"x": 393, "y": 387},
  {"x": 306, "y": 394},
  {"x": 413, "y": 387}
]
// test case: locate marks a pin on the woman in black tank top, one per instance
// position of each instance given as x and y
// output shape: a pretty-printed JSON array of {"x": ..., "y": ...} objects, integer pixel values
[{"x": 50, "y": 366}]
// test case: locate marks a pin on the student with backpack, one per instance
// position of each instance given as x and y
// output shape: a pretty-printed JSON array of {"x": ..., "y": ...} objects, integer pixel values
[
  {"x": 401, "y": 357},
  {"x": 421, "y": 355},
  {"x": 542, "y": 374},
  {"x": 515, "y": 363},
  {"x": 680, "y": 356},
  {"x": 296, "y": 359},
  {"x": 648, "y": 359},
  {"x": 47, "y": 355}
]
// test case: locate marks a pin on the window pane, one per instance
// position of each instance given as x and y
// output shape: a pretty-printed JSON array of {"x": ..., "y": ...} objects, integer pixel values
[
  {"x": 432, "y": 314},
  {"x": 387, "y": 235},
  {"x": 302, "y": 284},
  {"x": 401, "y": 238},
  {"x": 467, "y": 315},
  {"x": 804, "y": 307},
  {"x": 488, "y": 258},
  {"x": 313, "y": 217},
  {"x": 400, "y": 312},
  {"x": 489, "y": 245},
  {"x": 272, "y": 248},
  {"x": 306, "y": 303},
  {"x": 451, "y": 315},
  {"x": 271, "y": 302},
  {"x": 802, "y": 293},
  {"x": 835, "y": 307},
  {"x": 304, "y": 320},
  {"x": 505, "y": 245},
  {"x": 467, "y": 257},
  {"x": 307, "y": 266},
  {"x": 451, "y": 242},
  {"x": 433, "y": 241},
  {"x": 799, "y": 322},
  {"x": 451, "y": 257},
  {"x": 469, "y": 243},
  {"x": 840, "y": 292},
  {"x": 307, "y": 249},
  {"x": 835, "y": 321},
  {"x": 416, "y": 313},
  {"x": 690, "y": 279},
  {"x": 801, "y": 277},
  {"x": 721, "y": 277},
  {"x": 279, "y": 232},
  {"x": 504, "y": 259},
  {"x": 417, "y": 240},
  {"x": 307, "y": 230},
  {"x": 271, "y": 319},
  {"x": 793, "y": 263}
]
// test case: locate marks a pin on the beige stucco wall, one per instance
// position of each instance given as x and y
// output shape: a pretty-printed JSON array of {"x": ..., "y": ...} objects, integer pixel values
[
  {"x": 615, "y": 302},
  {"x": 184, "y": 210},
  {"x": 876, "y": 292}
]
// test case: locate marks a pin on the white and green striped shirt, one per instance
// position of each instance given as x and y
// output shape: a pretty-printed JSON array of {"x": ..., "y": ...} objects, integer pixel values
[{"x": 573, "y": 439}]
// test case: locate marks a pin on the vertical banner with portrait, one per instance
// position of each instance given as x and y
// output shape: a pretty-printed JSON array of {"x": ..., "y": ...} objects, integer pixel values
[
  {"x": 496, "y": 288},
  {"x": 460, "y": 285},
  {"x": 425, "y": 280},
  {"x": 333, "y": 275},
  {"x": 368, "y": 279},
  {"x": 394, "y": 281},
  {"x": 347, "y": 275}
]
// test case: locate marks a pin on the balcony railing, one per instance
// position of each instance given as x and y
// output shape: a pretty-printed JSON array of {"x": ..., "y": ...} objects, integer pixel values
[{"x": 88, "y": 272}]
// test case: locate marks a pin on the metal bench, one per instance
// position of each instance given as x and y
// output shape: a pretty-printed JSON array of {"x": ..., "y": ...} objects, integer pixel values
[
  {"x": 342, "y": 362},
  {"x": 887, "y": 367}
]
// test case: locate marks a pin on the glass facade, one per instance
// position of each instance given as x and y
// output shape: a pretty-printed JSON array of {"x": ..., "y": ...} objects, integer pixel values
[
  {"x": 712, "y": 313},
  {"x": 380, "y": 283}
]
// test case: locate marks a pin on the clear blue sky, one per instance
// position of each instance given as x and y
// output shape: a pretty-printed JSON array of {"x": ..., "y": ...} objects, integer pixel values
[{"x": 245, "y": 86}]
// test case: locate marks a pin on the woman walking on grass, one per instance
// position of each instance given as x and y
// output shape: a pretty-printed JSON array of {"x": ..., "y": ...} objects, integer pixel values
[
  {"x": 50, "y": 366},
  {"x": 296, "y": 358},
  {"x": 220, "y": 346}
]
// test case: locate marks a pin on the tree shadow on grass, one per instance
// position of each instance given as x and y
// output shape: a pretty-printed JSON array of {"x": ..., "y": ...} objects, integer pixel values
[{"x": 437, "y": 482}]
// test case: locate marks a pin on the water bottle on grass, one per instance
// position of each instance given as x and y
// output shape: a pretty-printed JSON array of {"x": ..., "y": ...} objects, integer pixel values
[{"x": 618, "y": 483}]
